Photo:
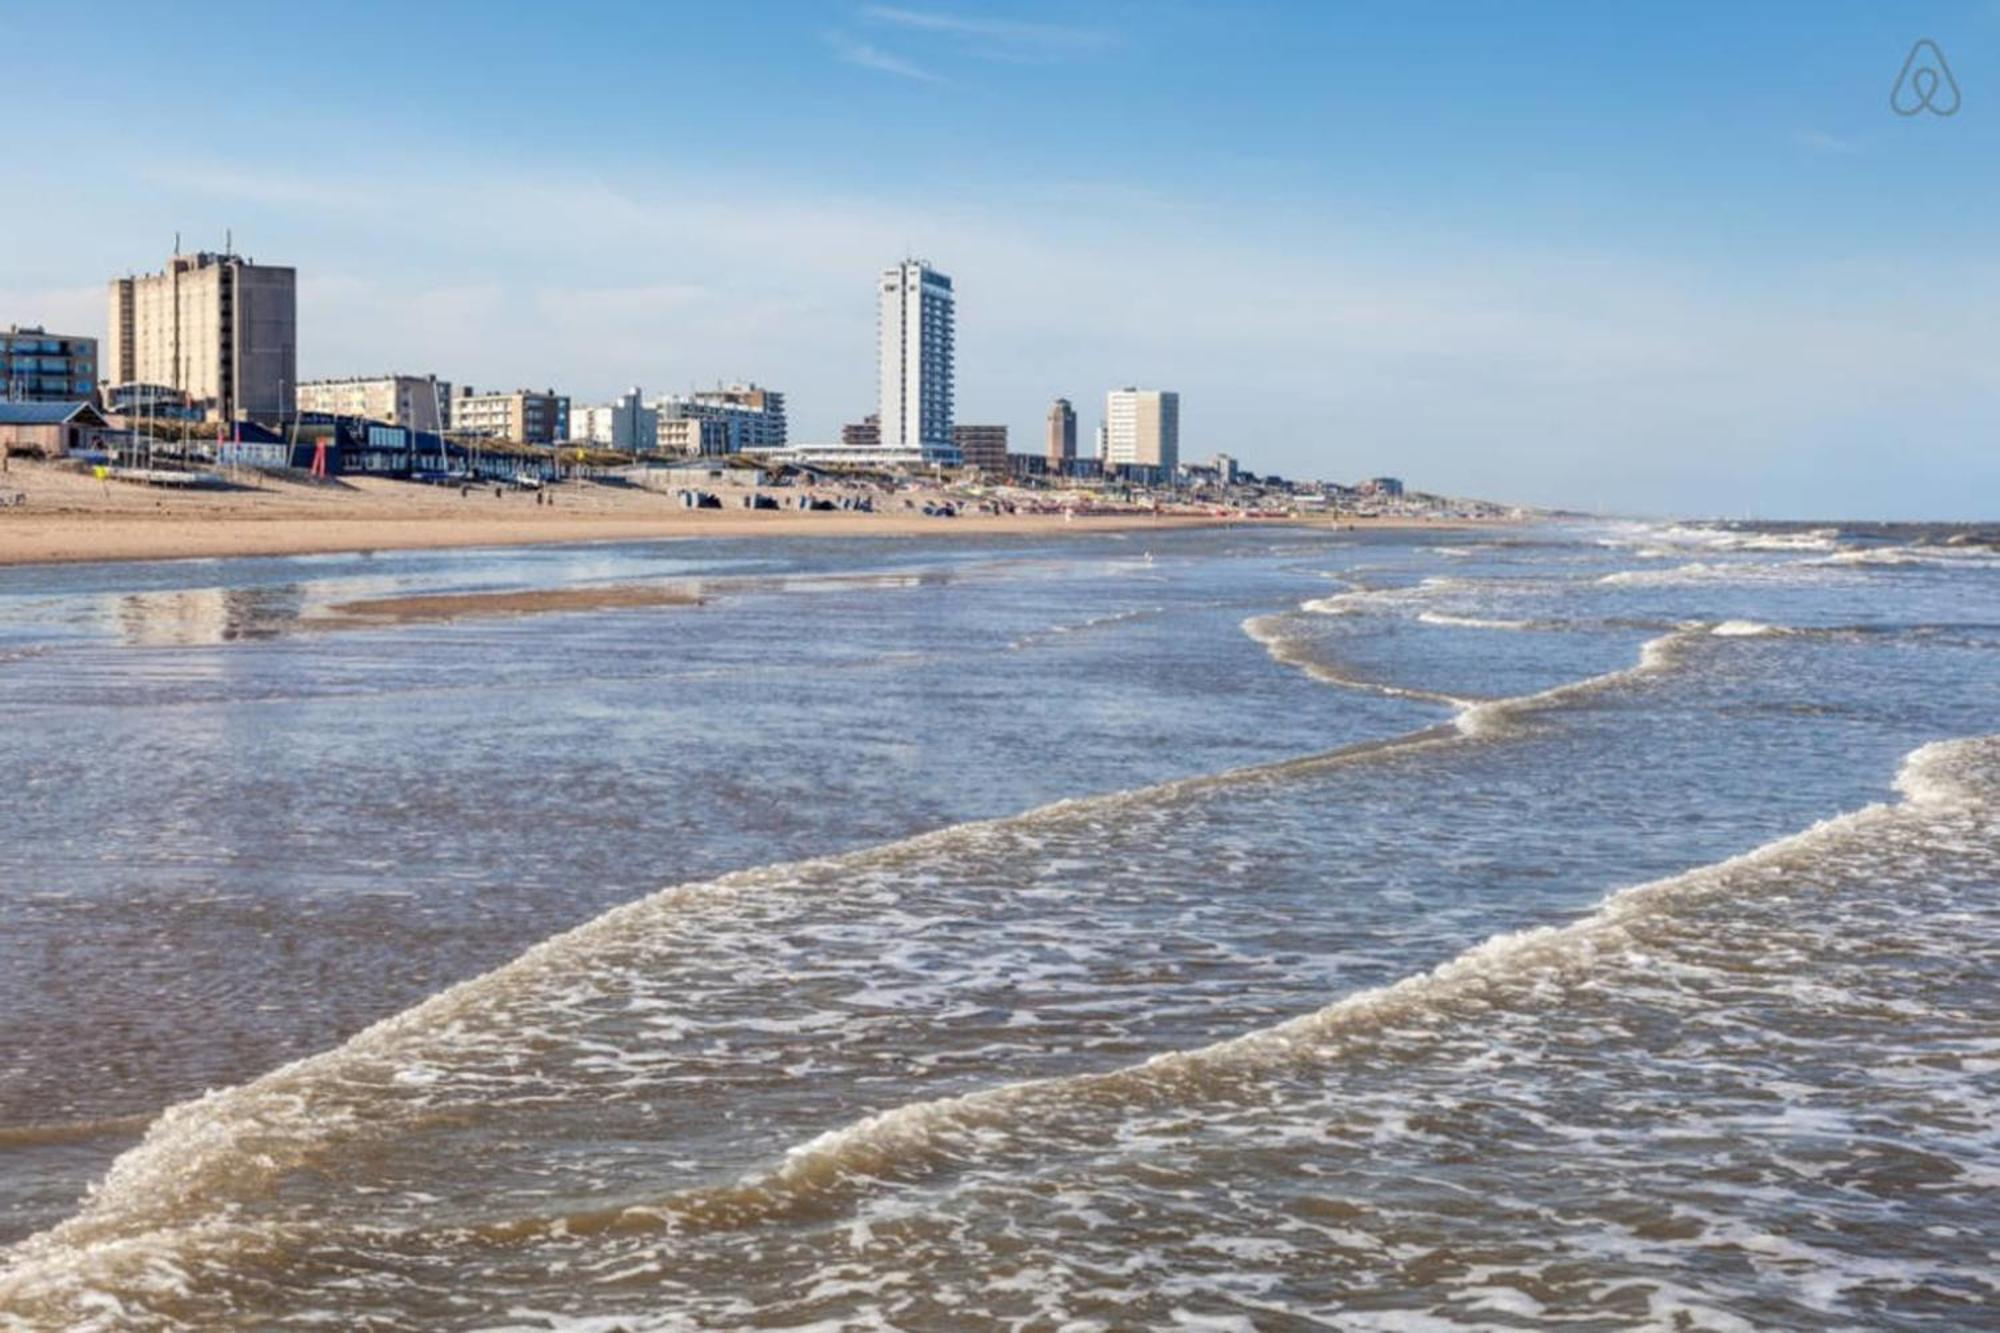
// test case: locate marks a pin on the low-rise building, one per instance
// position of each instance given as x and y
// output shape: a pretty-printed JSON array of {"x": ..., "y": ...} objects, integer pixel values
[
  {"x": 863, "y": 434},
  {"x": 521, "y": 415},
  {"x": 761, "y": 411},
  {"x": 37, "y": 366},
  {"x": 692, "y": 436},
  {"x": 420, "y": 402},
  {"x": 627, "y": 424},
  {"x": 750, "y": 416},
  {"x": 982, "y": 447},
  {"x": 51, "y": 429},
  {"x": 151, "y": 402},
  {"x": 869, "y": 457}
]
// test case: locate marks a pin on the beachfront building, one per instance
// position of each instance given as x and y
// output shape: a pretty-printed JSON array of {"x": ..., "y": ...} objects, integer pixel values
[
  {"x": 916, "y": 316},
  {"x": 1142, "y": 429},
  {"x": 692, "y": 436},
  {"x": 51, "y": 430},
  {"x": 626, "y": 424},
  {"x": 741, "y": 416},
  {"x": 37, "y": 366},
  {"x": 154, "y": 402},
  {"x": 1062, "y": 435},
  {"x": 1225, "y": 469},
  {"x": 522, "y": 415},
  {"x": 421, "y": 402},
  {"x": 983, "y": 447},
  {"x": 863, "y": 434},
  {"x": 216, "y": 327},
  {"x": 756, "y": 414}
]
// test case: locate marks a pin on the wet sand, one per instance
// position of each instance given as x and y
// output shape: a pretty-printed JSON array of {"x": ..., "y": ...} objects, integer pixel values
[
  {"x": 455, "y": 606},
  {"x": 70, "y": 517}
]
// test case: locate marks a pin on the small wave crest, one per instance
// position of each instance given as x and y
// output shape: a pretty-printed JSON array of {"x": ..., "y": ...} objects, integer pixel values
[
  {"x": 1105, "y": 621},
  {"x": 1297, "y": 652},
  {"x": 1956, "y": 772},
  {"x": 1944, "y": 557},
  {"x": 1445, "y": 618},
  {"x": 1497, "y": 716}
]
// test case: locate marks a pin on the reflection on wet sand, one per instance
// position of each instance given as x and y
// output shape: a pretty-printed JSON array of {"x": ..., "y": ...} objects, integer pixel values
[
  {"x": 201, "y": 617},
  {"x": 195, "y": 617}
]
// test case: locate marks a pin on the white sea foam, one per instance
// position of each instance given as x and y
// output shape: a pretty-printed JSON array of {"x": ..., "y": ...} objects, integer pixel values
[
  {"x": 1949, "y": 557},
  {"x": 1697, "y": 572},
  {"x": 1940, "y": 774},
  {"x": 1492, "y": 717},
  {"x": 1295, "y": 652},
  {"x": 1723, "y": 539},
  {"x": 1473, "y": 622}
]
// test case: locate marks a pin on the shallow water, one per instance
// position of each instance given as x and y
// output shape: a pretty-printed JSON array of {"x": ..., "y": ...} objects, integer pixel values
[{"x": 1234, "y": 928}]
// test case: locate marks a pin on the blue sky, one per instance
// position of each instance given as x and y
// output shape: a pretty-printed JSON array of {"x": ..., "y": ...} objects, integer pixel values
[{"x": 1639, "y": 257}]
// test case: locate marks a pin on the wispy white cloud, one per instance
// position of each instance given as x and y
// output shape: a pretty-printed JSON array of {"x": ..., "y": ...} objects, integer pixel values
[
  {"x": 873, "y": 57},
  {"x": 1001, "y": 36},
  {"x": 1819, "y": 141}
]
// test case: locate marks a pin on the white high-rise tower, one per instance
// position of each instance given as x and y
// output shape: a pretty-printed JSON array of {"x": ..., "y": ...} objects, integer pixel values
[
  {"x": 1142, "y": 428},
  {"x": 916, "y": 361}
]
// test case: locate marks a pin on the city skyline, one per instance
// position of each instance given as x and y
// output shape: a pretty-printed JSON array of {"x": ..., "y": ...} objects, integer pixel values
[{"x": 1689, "y": 284}]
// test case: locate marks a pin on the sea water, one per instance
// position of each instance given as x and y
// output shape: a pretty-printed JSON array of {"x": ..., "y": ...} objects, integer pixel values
[{"x": 1235, "y": 928}]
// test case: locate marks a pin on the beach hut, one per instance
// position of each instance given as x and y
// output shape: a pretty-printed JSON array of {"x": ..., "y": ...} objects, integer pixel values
[{"x": 51, "y": 430}]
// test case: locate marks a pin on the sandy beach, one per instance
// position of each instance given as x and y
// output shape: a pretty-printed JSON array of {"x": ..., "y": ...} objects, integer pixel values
[{"x": 65, "y": 516}]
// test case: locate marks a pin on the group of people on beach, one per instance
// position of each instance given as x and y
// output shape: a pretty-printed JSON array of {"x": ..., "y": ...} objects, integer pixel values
[{"x": 500, "y": 493}]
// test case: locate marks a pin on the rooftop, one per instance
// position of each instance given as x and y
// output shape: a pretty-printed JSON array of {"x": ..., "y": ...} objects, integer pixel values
[{"x": 48, "y": 414}]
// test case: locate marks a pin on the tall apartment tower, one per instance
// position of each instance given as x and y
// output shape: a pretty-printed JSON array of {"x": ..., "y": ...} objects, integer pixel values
[
  {"x": 916, "y": 318},
  {"x": 216, "y": 327},
  {"x": 1062, "y": 433},
  {"x": 1142, "y": 428}
]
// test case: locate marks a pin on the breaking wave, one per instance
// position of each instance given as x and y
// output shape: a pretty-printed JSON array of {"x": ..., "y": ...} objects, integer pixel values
[
  {"x": 1480, "y": 622},
  {"x": 1289, "y": 650}
]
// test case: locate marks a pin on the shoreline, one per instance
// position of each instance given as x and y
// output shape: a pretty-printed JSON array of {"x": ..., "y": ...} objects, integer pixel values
[{"x": 72, "y": 519}]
